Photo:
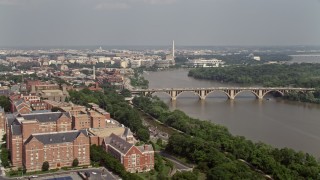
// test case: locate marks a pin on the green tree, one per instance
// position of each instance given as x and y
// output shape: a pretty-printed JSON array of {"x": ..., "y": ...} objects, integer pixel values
[
  {"x": 5, "y": 157},
  {"x": 5, "y": 103},
  {"x": 75, "y": 162},
  {"x": 55, "y": 109},
  {"x": 143, "y": 134},
  {"x": 159, "y": 141},
  {"x": 185, "y": 176},
  {"x": 126, "y": 93},
  {"x": 45, "y": 166}
]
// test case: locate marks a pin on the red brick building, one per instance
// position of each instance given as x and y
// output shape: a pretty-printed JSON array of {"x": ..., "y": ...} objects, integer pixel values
[
  {"x": 133, "y": 158},
  {"x": 21, "y": 127},
  {"x": 25, "y": 104},
  {"x": 58, "y": 148},
  {"x": 87, "y": 119}
]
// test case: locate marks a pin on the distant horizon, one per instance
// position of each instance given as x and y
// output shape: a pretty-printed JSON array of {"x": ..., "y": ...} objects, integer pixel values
[{"x": 162, "y": 46}]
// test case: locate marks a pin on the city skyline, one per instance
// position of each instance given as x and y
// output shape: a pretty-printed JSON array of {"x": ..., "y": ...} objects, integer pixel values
[{"x": 157, "y": 23}]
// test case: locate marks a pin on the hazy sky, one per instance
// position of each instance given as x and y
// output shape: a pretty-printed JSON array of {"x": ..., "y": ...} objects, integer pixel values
[{"x": 158, "y": 22}]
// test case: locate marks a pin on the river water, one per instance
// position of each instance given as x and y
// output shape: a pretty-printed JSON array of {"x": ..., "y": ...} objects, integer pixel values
[{"x": 273, "y": 121}]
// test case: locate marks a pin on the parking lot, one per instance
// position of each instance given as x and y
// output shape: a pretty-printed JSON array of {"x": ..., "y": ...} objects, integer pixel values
[{"x": 92, "y": 174}]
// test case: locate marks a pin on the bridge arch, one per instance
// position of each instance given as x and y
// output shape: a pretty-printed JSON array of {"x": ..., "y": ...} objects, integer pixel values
[
  {"x": 226, "y": 93},
  {"x": 277, "y": 91},
  {"x": 155, "y": 92},
  {"x": 192, "y": 92},
  {"x": 256, "y": 94}
]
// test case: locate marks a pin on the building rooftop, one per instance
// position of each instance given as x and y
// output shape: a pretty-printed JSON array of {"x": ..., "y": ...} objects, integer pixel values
[
  {"x": 118, "y": 143},
  {"x": 16, "y": 129},
  {"x": 45, "y": 117},
  {"x": 55, "y": 137},
  {"x": 106, "y": 132}
]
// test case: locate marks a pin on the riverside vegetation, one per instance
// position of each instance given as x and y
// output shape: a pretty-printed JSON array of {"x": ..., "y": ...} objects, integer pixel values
[
  {"x": 273, "y": 75},
  {"x": 218, "y": 154}
]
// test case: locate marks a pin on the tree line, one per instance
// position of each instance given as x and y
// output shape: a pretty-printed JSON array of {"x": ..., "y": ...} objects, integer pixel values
[
  {"x": 269, "y": 75},
  {"x": 219, "y": 154}
]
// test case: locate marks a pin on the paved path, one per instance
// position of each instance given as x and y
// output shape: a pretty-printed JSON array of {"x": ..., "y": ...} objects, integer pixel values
[{"x": 180, "y": 166}]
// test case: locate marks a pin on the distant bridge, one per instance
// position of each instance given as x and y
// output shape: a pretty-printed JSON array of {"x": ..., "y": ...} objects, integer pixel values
[{"x": 231, "y": 92}]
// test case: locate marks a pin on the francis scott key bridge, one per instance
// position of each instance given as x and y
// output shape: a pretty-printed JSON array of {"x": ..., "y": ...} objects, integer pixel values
[{"x": 231, "y": 92}]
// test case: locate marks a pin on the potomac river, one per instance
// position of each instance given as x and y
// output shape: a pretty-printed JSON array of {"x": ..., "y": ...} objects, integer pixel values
[{"x": 277, "y": 122}]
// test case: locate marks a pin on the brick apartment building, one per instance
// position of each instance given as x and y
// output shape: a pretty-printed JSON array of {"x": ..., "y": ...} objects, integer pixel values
[
  {"x": 58, "y": 148},
  {"x": 21, "y": 127},
  {"x": 134, "y": 158},
  {"x": 87, "y": 119}
]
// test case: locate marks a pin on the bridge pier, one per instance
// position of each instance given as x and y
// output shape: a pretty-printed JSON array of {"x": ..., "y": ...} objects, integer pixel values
[
  {"x": 260, "y": 94},
  {"x": 231, "y": 94},
  {"x": 173, "y": 95},
  {"x": 202, "y": 95}
]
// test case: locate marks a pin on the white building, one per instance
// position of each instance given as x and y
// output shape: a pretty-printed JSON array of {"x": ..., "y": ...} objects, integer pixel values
[
  {"x": 257, "y": 58},
  {"x": 206, "y": 63},
  {"x": 135, "y": 63}
]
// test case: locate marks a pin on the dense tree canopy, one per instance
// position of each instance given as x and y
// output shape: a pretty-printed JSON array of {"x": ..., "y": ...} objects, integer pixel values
[
  {"x": 296, "y": 75},
  {"x": 280, "y": 75}
]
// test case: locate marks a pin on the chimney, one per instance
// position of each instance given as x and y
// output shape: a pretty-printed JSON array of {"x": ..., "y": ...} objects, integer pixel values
[{"x": 145, "y": 147}]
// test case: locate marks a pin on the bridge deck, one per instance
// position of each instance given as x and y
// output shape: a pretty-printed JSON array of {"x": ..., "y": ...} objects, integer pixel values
[{"x": 222, "y": 88}]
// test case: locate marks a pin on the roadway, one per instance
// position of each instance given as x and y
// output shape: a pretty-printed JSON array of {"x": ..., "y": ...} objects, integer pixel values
[{"x": 180, "y": 166}]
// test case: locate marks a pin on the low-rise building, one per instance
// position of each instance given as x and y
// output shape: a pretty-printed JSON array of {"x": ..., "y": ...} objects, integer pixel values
[
  {"x": 205, "y": 62},
  {"x": 134, "y": 158}
]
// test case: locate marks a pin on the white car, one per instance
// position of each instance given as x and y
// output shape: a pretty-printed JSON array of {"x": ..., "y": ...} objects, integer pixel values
[{"x": 94, "y": 173}]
